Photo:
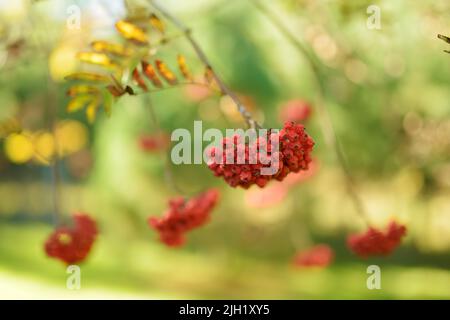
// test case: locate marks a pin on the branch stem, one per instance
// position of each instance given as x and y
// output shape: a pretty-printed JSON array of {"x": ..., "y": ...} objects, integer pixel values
[{"x": 202, "y": 56}]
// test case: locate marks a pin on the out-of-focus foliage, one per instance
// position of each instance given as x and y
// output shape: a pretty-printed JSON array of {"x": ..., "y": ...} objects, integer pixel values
[{"x": 388, "y": 96}]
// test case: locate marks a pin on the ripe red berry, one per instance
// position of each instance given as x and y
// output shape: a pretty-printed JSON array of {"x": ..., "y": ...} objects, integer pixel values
[
  {"x": 184, "y": 216},
  {"x": 295, "y": 147},
  {"x": 296, "y": 111},
  {"x": 154, "y": 143},
  {"x": 374, "y": 242},
  {"x": 72, "y": 244},
  {"x": 318, "y": 256}
]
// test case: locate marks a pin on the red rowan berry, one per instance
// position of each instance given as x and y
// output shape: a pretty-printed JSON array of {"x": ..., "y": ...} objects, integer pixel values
[
  {"x": 154, "y": 143},
  {"x": 296, "y": 111}
]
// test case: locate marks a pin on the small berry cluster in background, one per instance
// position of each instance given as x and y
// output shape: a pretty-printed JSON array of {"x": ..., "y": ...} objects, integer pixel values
[
  {"x": 184, "y": 216},
  {"x": 296, "y": 110},
  {"x": 154, "y": 143},
  {"x": 295, "y": 147},
  {"x": 374, "y": 242},
  {"x": 72, "y": 244},
  {"x": 320, "y": 255}
]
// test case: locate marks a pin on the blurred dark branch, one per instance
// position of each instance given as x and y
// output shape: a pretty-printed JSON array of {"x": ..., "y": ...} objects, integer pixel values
[
  {"x": 326, "y": 122},
  {"x": 55, "y": 162},
  {"x": 201, "y": 55},
  {"x": 44, "y": 45},
  {"x": 444, "y": 38}
]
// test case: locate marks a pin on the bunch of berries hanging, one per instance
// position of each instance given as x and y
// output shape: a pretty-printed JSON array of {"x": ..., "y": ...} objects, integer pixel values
[
  {"x": 288, "y": 150},
  {"x": 374, "y": 242},
  {"x": 184, "y": 216},
  {"x": 72, "y": 244}
]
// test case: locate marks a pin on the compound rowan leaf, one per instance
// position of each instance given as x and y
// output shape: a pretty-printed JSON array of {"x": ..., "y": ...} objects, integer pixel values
[
  {"x": 132, "y": 32},
  {"x": 78, "y": 102},
  {"x": 81, "y": 89},
  {"x": 87, "y": 76},
  {"x": 183, "y": 67},
  {"x": 138, "y": 79},
  {"x": 151, "y": 75},
  {"x": 96, "y": 58},
  {"x": 112, "y": 48},
  {"x": 157, "y": 23},
  {"x": 165, "y": 72}
]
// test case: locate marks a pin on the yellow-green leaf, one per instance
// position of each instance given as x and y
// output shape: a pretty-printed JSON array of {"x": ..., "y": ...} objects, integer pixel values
[
  {"x": 81, "y": 89},
  {"x": 79, "y": 102},
  {"x": 183, "y": 67},
  {"x": 132, "y": 32},
  {"x": 156, "y": 23},
  {"x": 91, "y": 110},
  {"x": 96, "y": 58},
  {"x": 87, "y": 76},
  {"x": 113, "y": 48}
]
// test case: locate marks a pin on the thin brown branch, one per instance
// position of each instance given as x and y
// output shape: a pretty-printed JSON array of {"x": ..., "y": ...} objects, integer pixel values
[
  {"x": 446, "y": 39},
  {"x": 326, "y": 122},
  {"x": 201, "y": 55},
  {"x": 55, "y": 162}
]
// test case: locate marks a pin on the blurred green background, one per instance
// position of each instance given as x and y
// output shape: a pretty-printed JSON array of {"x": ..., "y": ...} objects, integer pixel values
[{"x": 387, "y": 92}]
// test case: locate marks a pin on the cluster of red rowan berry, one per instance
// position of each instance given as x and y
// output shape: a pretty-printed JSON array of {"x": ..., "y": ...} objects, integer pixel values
[
  {"x": 184, "y": 216},
  {"x": 372, "y": 242},
  {"x": 288, "y": 150},
  {"x": 72, "y": 244},
  {"x": 375, "y": 242}
]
